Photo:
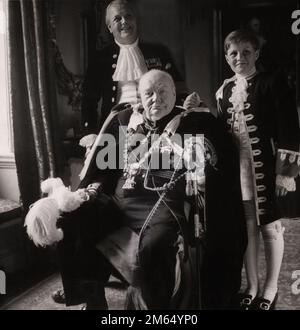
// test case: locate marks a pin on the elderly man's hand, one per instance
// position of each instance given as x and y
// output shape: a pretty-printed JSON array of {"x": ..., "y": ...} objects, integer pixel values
[
  {"x": 192, "y": 101},
  {"x": 83, "y": 194},
  {"x": 87, "y": 142}
]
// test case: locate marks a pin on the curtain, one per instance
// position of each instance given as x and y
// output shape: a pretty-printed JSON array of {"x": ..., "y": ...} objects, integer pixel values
[{"x": 33, "y": 97}]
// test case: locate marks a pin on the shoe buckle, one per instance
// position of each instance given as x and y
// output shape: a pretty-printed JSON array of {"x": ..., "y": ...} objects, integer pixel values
[
  {"x": 264, "y": 306},
  {"x": 246, "y": 301}
]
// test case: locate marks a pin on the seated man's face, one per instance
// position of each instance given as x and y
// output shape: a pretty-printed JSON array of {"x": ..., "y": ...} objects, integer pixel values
[
  {"x": 121, "y": 22},
  {"x": 158, "y": 95}
]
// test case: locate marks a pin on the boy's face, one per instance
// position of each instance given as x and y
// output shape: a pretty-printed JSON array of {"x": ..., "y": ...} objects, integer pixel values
[{"x": 241, "y": 57}]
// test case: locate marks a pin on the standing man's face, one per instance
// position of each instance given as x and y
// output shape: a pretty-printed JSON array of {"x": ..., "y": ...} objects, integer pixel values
[{"x": 121, "y": 22}]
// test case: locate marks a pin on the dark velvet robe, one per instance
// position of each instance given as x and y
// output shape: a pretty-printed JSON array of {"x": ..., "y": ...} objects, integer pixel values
[{"x": 154, "y": 275}]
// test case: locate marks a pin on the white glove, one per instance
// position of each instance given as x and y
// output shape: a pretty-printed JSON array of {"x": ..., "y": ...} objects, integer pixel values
[{"x": 87, "y": 142}]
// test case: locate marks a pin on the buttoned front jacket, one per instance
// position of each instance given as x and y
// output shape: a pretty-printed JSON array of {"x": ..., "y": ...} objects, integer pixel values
[
  {"x": 272, "y": 128},
  {"x": 99, "y": 83}
]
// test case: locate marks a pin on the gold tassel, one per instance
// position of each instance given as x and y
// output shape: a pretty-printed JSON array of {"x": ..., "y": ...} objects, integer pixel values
[{"x": 189, "y": 184}]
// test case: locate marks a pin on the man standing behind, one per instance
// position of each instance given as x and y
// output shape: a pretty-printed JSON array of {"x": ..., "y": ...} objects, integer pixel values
[{"x": 115, "y": 71}]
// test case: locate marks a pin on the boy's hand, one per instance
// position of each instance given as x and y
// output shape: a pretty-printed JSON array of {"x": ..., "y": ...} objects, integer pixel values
[
  {"x": 192, "y": 101},
  {"x": 284, "y": 184},
  {"x": 280, "y": 191}
]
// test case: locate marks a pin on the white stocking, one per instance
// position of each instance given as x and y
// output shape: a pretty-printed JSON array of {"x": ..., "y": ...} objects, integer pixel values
[
  {"x": 274, "y": 246},
  {"x": 251, "y": 255}
]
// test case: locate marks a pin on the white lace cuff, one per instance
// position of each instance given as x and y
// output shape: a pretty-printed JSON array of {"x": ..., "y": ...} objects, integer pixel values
[{"x": 286, "y": 182}]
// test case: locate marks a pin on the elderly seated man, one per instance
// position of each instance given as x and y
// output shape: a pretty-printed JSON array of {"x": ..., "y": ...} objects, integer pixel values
[
  {"x": 114, "y": 72},
  {"x": 145, "y": 164}
]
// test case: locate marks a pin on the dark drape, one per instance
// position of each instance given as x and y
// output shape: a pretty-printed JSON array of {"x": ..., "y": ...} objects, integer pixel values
[{"x": 33, "y": 96}]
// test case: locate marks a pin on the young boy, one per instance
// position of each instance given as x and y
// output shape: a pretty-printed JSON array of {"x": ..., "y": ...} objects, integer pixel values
[{"x": 260, "y": 111}]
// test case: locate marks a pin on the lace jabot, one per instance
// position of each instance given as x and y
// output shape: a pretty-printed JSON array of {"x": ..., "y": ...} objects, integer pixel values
[
  {"x": 131, "y": 63},
  {"x": 239, "y": 93}
]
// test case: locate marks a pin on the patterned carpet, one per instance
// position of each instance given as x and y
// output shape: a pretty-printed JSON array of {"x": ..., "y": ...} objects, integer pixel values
[{"x": 39, "y": 297}]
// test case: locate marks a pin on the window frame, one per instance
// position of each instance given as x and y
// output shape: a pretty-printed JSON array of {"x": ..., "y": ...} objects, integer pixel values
[{"x": 7, "y": 158}]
